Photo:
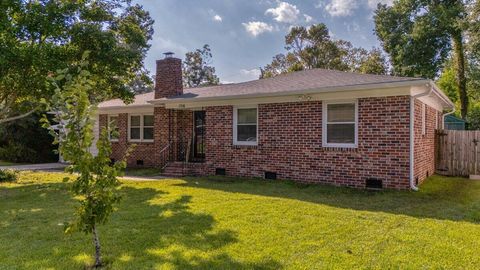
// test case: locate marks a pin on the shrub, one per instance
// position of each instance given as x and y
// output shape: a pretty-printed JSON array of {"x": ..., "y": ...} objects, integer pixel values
[
  {"x": 17, "y": 152},
  {"x": 8, "y": 176},
  {"x": 24, "y": 140}
]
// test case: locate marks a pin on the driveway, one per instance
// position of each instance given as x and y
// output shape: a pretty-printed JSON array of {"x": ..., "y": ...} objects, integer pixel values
[{"x": 35, "y": 167}]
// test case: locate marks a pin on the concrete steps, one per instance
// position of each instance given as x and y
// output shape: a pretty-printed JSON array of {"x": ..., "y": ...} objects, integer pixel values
[{"x": 175, "y": 169}]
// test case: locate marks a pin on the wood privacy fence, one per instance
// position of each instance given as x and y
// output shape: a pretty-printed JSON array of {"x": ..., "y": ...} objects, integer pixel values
[{"x": 457, "y": 152}]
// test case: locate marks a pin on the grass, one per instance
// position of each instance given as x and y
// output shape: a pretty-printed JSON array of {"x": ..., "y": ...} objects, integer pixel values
[
  {"x": 143, "y": 172},
  {"x": 218, "y": 223},
  {"x": 8, "y": 163}
]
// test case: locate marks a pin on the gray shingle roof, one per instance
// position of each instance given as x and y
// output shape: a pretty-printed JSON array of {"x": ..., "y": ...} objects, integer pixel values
[
  {"x": 295, "y": 81},
  {"x": 313, "y": 79}
]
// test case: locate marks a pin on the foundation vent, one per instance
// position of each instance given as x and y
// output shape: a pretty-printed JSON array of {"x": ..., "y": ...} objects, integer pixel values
[
  {"x": 271, "y": 175},
  {"x": 220, "y": 171},
  {"x": 373, "y": 183},
  {"x": 139, "y": 162}
]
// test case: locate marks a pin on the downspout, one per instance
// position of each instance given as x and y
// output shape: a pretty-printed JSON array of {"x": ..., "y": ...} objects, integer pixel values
[
  {"x": 444, "y": 115},
  {"x": 412, "y": 136}
]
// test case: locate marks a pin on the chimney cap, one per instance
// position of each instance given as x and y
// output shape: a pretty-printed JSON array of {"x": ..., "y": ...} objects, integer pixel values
[{"x": 168, "y": 54}]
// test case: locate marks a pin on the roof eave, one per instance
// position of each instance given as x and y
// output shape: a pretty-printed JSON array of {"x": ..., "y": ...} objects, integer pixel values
[
  {"x": 441, "y": 95},
  {"x": 296, "y": 92}
]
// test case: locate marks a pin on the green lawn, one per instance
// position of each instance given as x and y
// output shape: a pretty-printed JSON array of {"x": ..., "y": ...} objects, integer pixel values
[
  {"x": 247, "y": 224},
  {"x": 143, "y": 172},
  {"x": 7, "y": 163}
]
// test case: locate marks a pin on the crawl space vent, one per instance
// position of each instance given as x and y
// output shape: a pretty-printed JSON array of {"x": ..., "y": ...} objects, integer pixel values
[
  {"x": 139, "y": 162},
  {"x": 374, "y": 183},
  {"x": 271, "y": 175},
  {"x": 220, "y": 171}
]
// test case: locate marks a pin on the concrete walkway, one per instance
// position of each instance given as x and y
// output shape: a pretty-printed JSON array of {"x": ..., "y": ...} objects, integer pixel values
[
  {"x": 60, "y": 166},
  {"x": 35, "y": 167},
  {"x": 144, "y": 178}
]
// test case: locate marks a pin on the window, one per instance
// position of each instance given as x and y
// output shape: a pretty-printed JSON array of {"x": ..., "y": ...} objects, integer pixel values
[
  {"x": 245, "y": 126},
  {"x": 112, "y": 127},
  {"x": 340, "y": 124},
  {"x": 141, "y": 128},
  {"x": 424, "y": 116}
]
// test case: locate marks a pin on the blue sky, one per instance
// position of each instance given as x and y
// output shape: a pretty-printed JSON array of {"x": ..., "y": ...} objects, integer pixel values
[{"x": 245, "y": 34}]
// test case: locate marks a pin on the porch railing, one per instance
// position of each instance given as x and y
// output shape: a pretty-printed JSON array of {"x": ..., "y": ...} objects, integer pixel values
[{"x": 165, "y": 156}]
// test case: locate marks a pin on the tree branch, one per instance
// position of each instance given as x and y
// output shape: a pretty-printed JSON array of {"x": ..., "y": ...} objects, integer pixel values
[{"x": 13, "y": 118}]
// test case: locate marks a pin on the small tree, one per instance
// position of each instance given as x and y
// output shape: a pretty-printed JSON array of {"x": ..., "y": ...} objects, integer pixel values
[{"x": 97, "y": 182}]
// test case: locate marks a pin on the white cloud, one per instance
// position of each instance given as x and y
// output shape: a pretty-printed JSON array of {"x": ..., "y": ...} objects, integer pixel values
[
  {"x": 217, "y": 18},
  {"x": 284, "y": 12},
  {"x": 308, "y": 18},
  {"x": 249, "y": 74},
  {"x": 341, "y": 8},
  {"x": 373, "y": 3},
  {"x": 257, "y": 28}
]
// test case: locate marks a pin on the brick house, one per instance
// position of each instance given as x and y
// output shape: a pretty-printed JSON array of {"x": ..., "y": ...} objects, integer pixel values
[{"x": 315, "y": 126}]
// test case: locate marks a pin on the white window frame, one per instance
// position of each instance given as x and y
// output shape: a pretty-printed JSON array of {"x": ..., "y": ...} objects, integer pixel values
[
  {"x": 436, "y": 120},
  {"x": 108, "y": 126},
  {"x": 141, "y": 127},
  {"x": 424, "y": 119},
  {"x": 325, "y": 123},
  {"x": 235, "y": 126}
]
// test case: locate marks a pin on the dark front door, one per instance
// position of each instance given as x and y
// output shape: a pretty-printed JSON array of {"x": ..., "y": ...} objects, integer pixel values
[{"x": 199, "y": 135}]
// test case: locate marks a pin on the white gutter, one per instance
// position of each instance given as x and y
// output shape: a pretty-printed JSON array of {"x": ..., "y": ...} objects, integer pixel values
[
  {"x": 412, "y": 136},
  {"x": 444, "y": 115}
]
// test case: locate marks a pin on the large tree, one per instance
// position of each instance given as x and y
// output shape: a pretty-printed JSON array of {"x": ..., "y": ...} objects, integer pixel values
[
  {"x": 312, "y": 47},
  {"x": 197, "y": 68},
  {"x": 421, "y": 35},
  {"x": 40, "y": 37}
]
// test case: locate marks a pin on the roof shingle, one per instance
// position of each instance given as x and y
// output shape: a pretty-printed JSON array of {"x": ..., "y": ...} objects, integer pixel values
[{"x": 295, "y": 81}]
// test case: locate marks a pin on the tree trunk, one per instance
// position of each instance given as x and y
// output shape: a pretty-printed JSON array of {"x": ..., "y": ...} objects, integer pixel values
[
  {"x": 96, "y": 242},
  {"x": 459, "y": 59}
]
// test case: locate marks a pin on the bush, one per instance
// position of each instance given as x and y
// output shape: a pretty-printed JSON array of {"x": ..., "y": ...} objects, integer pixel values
[
  {"x": 8, "y": 176},
  {"x": 25, "y": 140},
  {"x": 17, "y": 152}
]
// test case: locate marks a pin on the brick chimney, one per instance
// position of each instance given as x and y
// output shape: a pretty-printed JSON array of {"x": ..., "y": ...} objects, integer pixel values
[{"x": 168, "y": 79}]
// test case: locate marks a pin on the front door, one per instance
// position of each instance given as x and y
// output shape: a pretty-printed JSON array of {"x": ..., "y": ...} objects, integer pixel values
[{"x": 198, "y": 136}]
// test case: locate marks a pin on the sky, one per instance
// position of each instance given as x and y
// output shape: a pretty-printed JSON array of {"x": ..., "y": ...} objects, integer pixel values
[{"x": 245, "y": 34}]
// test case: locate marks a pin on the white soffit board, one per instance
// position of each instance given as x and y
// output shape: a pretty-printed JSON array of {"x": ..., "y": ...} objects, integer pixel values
[{"x": 383, "y": 92}]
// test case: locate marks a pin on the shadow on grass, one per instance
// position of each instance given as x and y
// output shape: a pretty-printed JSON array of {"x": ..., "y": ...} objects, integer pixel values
[
  {"x": 149, "y": 230},
  {"x": 442, "y": 198},
  {"x": 167, "y": 233}
]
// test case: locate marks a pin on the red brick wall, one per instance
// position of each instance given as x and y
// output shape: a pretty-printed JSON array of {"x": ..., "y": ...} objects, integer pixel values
[
  {"x": 290, "y": 144},
  {"x": 168, "y": 79},
  {"x": 149, "y": 152},
  {"x": 141, "y": 151},
  {"x": 424, "y": 146}
]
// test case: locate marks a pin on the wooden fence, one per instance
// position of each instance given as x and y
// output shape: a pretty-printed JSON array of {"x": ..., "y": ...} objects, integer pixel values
[{"x": 457, "y": 152}]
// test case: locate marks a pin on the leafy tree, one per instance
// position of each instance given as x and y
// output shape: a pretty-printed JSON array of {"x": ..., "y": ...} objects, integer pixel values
[
  {"x": 25, "y": 140},
  {"x": 197, "y": 69},
  {"x": 313, "y": 47},
  {"x": 473, "y": 117},
  {"x": 97, "y": 182},
  {"x": 39, "y": 37},
  {"x": 447, "y": 82},
  {"x": 420, "y": 35},
  {"x": 373, "y": 63},
  {"x": 474, "y": 30}
]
